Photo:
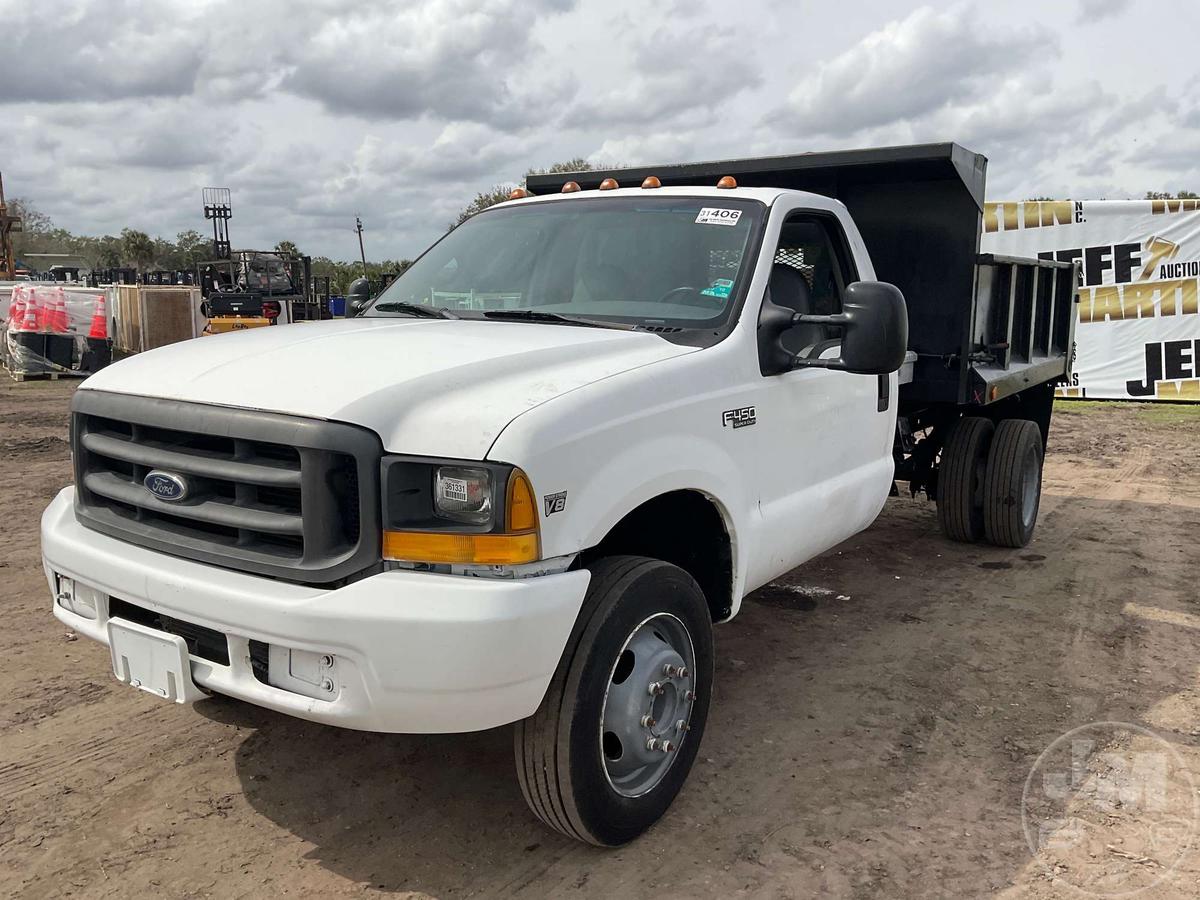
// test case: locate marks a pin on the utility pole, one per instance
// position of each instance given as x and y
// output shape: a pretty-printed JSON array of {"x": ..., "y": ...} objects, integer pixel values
[{"x": 361, "y": 251}]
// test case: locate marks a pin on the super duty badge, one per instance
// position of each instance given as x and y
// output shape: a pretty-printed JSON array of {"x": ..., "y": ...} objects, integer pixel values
[{"x": 738, "y": 418}]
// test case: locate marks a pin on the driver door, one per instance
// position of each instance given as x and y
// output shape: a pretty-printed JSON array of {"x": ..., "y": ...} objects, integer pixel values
[{"x": 824, "y": 443}]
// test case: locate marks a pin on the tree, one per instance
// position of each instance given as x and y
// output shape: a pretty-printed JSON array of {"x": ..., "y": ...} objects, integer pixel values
[
  {"x": 193, "y": 249},
  {"x": 287, "y": 248},
  {"x": 136, "y": 247},
  {"x": 500, "y": 192},
  {"x": 1182, "y": 195},
  {"x": 107, "y": 253}
]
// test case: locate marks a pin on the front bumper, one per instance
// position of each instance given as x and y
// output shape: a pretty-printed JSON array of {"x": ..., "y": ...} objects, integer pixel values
[{"x": 415, "y": 652}]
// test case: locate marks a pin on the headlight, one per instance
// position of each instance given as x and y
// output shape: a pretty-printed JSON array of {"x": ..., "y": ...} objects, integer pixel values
[
  {"x": 463, "y": 494},
  {"x": 435, "y": 512}
]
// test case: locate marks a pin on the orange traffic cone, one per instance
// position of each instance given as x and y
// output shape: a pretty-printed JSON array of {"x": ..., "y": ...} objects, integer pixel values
[
  {"x": 16, "y": 309},
  {"x": 57, "y": 321},
  {"x": 99, "y": 327},
  {"x": 32, "y": 321}
]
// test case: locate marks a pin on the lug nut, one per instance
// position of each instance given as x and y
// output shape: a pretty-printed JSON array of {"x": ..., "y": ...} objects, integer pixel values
[
  {"x": 327, "y": 685},
  {"x": 656, "y": 688},
  {"x": 667, "y": 747},
  {"x": 327, "y": 661},
  {"x": 689, "y": 695},
  {"x": 648, "y": 722},
  {"x": 670, "y": 671},
  {"x": 683, "y": 672},
  {"x": 680, "y": 725},
  {"x": 652, "y": 744}
]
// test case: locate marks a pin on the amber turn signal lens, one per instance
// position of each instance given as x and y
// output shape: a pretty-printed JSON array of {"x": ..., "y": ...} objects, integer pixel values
[
  {"x": 518, "y": 194},
  {"x": 727, "y": 182},
  {"x": 570, "y": 187},
  {"x": 609, "y": 184},
  {"x": 521, "y": 506},
  {"x": 481, "y": 549},
  {"x": 651, "y": 182}
]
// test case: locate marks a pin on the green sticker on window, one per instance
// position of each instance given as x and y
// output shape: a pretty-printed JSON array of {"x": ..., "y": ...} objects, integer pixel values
[{"x": 722, "y": 287}]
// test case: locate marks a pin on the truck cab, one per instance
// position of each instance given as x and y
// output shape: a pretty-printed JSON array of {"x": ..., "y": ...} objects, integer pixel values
[{"x": 564, "y": 444}]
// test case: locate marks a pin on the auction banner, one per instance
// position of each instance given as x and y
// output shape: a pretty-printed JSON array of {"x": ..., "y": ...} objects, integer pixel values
[{"x": 1138, "y": 334}]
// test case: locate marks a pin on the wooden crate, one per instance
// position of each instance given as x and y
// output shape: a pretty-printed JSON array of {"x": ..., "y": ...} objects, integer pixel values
[{"x": 149, "y": 316}]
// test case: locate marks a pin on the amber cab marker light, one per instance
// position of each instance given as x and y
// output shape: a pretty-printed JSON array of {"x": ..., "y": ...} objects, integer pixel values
[
  {"x": 570, "y": 187},
  {"x": 609, "y": 184},
  {"x": 651, "y": 182},
  {"x": 727, "y": 182},
  {"x": 518, "y": 194}
]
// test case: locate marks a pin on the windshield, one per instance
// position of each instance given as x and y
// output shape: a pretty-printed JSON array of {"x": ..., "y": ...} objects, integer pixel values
[{"x": 643, "y": 261}]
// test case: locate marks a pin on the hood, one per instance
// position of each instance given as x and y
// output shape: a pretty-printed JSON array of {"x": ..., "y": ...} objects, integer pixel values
[{"x": 429, "y": 387}]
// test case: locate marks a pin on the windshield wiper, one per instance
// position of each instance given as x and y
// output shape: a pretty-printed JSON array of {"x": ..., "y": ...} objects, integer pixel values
[
  {"x": 416, "y": 309},
  {"x": 537, "y": 315}
]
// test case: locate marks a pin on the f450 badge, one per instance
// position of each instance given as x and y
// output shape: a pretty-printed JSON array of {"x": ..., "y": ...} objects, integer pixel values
[{"x": 738, "y": 418}]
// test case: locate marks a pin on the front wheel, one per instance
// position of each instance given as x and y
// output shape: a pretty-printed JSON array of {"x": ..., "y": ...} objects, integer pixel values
[{"x": 619, "y": 728}]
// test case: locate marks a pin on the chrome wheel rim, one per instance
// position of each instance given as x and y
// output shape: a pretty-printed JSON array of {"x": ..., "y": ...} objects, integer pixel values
[{"x": 648, "y": 704}]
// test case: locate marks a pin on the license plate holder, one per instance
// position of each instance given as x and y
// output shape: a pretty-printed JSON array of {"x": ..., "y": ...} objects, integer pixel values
[{"x": 152, "y": 661}]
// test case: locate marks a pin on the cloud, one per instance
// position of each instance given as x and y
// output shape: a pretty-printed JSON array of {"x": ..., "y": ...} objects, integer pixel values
[
  {"x": 675, "y": 73},
  {"x": 1093, "y": 11},
  {"x": 117, "y": 112},
  {"x": 70, "y": 51},
  {"x": 404, "y": 60},
  {"x": 910, "y": 69}
]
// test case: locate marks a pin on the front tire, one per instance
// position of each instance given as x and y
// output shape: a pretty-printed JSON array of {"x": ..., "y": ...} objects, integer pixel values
[{"x": 619, "y": 728}]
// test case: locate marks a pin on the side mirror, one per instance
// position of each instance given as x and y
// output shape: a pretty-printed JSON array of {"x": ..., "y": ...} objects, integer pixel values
[{"x": 874, "y": 332}]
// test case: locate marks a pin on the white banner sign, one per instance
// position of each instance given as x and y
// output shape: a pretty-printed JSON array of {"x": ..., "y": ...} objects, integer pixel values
[{"x": 1138, "y": 335}]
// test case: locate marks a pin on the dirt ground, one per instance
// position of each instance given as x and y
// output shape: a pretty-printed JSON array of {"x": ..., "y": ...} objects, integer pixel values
[{"x": 876, "y": 718}]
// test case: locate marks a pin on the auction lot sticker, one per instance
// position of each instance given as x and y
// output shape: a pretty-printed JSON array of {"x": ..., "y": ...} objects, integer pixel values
[
  {"x": 1109, "y": 809},
  {"x": 711, "y": 215}
]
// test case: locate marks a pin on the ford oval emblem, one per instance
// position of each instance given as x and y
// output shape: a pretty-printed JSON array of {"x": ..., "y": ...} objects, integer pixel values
[{"x": 166, "y": 486}]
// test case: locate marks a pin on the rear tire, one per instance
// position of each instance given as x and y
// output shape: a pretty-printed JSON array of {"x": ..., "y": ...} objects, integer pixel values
[
  {"x": 567, "y": 753},
  {"x": 1013, "y": 486},
  {"x": 961, "y": 478}
]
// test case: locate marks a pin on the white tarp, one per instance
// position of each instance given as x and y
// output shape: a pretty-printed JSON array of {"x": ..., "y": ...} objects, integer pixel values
[{"x": 1138, "y": 334}]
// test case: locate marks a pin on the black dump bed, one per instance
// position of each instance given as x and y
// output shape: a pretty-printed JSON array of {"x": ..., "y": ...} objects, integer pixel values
[{"x": 983, "y": 327}]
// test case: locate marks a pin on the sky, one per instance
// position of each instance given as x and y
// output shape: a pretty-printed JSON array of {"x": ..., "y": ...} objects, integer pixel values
[{"x": 117, "y": 113}]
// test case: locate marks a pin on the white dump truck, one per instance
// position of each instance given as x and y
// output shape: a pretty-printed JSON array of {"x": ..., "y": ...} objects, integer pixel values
[{"x": 526, "y": 482}]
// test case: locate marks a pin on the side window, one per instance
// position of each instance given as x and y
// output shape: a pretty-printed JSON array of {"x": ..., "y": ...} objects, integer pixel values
[{"x": 811, "y": 270}]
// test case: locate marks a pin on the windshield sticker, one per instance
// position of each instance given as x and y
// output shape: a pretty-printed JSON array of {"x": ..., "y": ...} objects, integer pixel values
[
  {"x": 722, "y": 287},
  {"x": 712, "y": 215}
]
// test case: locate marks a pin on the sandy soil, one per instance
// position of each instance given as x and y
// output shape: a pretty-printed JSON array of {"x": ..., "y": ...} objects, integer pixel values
[{"x": 876, "y": 719}]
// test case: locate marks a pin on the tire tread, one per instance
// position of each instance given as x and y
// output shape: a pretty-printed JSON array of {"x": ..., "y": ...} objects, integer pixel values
[
  {"x": 1002, "y": 521},
  {"x": 541, "y": 742},
  {"x": 954, "y": 494}
]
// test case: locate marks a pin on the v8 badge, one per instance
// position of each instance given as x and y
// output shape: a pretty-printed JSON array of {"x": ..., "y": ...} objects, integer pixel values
[{"x": 555, "y": 502}]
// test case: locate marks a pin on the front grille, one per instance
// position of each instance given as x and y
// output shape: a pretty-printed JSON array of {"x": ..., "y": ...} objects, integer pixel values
[{"x": 288, "y": 497}]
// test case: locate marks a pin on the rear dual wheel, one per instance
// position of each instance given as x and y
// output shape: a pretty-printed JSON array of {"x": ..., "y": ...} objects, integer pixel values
[
  {"x": 990, "y": 481},
  {"x": 619, "y": 728},
  {"x": 1012, "y": 489}
]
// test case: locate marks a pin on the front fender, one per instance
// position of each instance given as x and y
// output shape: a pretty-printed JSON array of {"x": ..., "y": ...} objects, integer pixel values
[{"x": 608, "y": 464}]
